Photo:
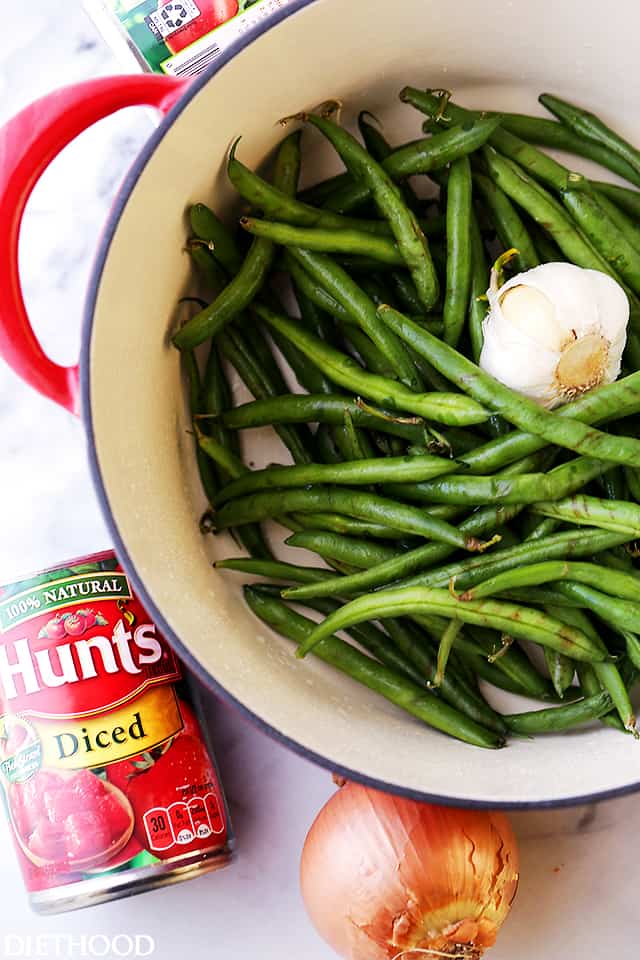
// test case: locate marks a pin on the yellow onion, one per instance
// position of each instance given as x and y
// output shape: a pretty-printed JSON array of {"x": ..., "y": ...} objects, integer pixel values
[{"x": 385, "y": 877}]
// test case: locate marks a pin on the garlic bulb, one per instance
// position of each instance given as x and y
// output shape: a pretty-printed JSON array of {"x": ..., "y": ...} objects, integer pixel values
[{"x": 555, "y": 331}]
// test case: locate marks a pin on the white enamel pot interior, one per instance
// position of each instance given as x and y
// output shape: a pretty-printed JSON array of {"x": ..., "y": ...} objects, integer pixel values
[{"x": 362, "y": 52}]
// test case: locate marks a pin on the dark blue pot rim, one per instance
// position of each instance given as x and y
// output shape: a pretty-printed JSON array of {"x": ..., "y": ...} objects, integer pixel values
[{"x": 207, "y": 679}]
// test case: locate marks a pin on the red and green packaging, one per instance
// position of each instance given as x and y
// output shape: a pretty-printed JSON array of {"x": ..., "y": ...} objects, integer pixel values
[
  {"x": 107, "y": 781},
  {"x": 177, "y": 37}
]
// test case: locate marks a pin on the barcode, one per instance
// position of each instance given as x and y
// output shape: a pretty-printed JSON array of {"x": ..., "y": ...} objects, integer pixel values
[{"x": 192, "y": 65}]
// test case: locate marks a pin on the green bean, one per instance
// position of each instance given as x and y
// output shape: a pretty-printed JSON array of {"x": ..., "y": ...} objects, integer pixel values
[
  {"x": 352, "y": 443},
  {"x": 456, "y": 300},
  {"x": 561, "y": 670},
  {"x": 275, "y": 569},
  {"x": 518, "y": 621},
  {"x": 252, "y": 337},
  {"x": 313, "y": 318},
  {"x": 255, "y": 376},
  {"x": 591, "y": 127},
  {"x": 612, "y": 681},
  {"x": 319, "y": 191},
  {"x": 208, "y": 268},
  {"x": 591, "y": 686},
  {"x": 571, "y": 543},
  {"x": 477, "y": 293},
  {"x": 357, "y": 552},
  {"x": 313, "y": 290},
  {"x": 206, "y": 469},
  {"x": 356, "y": 473},
  {"x": 556, "y": 719},
  {"x": 548, "y": 250},
  {"x": 545, "y": 210},
  {"x": 622, "y": 220},
  {"x": 306, "y": 372},
  {"x": 510, "y": 228},
  {"x": 353, "y": 503},
  {"x": 359, "y": 308},
  {"x": 363, "y": 349},
  {"x": 445, "y": 647},
  {"x": 443, "y": 148},
  {"x": 380, "y": 149},
  {"x": 405, "y": 290},
  {"x": 527, "y": 488},
  {"x": 465, "y": 672},
  {"x": 632, "y": 644},
  {"x": 453, "y": 409},
  {"x": 614, "y": 400},
  {"x": 389, "y": 684},
  {"x": 627, "y": 200},
  {"x": 606, "y": 673},
  {"x": 541, "y": 529},
  {"x": 605, "y": 235},
  {"x": 452, "y": 689},
  {"x": 249, "y": 279},
  {"x": 326, "y": 240},
  {"x": 308, "y": 375},
  {"x": 221, "y": 455},
  {"x": 567, "y": 544},
  {"x": 618, "y": 559},
  {"x": 513, "y": 663},
  {"x": 322, "y": 408},
  {"x": 338, "y": 523},
  {"x": 619, "y": 516},
  {"x": 613, "y": 484},
  {"x": 208, "y": 227},
  {"x": 277, "y": 205},
  {"x": 549, "y": 133},
  {"x": 233, "y": 299},
  {"x": 624, "y": 615},
  {"x": 540, "y": 597},
  {"x": 406, "y": 229},
  {"x": 633, "y": 482},
  {"x": 490, "y": 674},
  {"x": 325, "y": 444},
  {"x": 371, "y": 638},
  {"x": 518, "y": 410},
  {"x": 537, "y": 164},
  {"x": 377, "y": 289},
  {"x": 420, "y": 156},
  {"x": 215, "y": 395}
]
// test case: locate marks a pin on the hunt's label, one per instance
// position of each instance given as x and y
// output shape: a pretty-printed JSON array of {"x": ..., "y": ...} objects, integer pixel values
[
  {"x": 99, "y": 746},
  {"x": 178, "y": 37}
]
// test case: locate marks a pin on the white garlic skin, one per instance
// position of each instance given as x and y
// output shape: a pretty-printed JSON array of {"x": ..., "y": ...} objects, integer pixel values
[{"x": 537, "y": 316}]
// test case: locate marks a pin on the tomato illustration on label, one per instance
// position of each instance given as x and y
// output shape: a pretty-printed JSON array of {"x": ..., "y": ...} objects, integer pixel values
[
  {"x": 71, "y": 624},
  {"x": 94, "y": 733},
  {"x": 69, "y": 822}
]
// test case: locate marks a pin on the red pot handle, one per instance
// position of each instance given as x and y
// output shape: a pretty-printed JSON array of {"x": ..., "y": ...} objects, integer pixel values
[{"x": 28, "y": 144}]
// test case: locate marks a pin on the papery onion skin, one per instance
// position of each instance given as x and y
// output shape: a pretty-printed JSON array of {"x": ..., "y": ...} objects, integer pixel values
[{"x": 382, "y": 874}]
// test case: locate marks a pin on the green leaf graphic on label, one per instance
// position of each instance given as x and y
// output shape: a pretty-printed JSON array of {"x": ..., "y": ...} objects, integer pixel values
[
  {"x": 22, "y": 765},
  {"x": 20, "y": 747}
]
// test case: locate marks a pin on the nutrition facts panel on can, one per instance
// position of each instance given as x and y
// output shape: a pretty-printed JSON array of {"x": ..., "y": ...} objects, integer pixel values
[{"x": 182, "y": 822}]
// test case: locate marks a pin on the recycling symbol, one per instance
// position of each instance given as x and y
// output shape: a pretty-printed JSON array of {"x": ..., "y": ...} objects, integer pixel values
[{"x": 174, "y": 15}]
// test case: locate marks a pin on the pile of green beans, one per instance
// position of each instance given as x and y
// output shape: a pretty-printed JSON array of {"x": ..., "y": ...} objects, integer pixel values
[{"x": 456, "y": 523}]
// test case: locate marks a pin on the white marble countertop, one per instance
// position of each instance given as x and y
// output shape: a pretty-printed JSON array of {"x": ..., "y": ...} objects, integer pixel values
[{"x": 577, "y": 894}]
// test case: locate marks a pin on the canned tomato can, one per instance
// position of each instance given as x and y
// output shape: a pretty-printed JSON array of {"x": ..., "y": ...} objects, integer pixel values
[{"x": 108, "y": 782}]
